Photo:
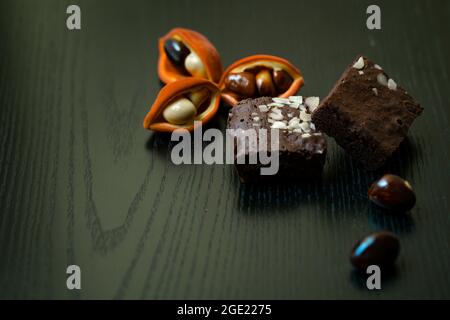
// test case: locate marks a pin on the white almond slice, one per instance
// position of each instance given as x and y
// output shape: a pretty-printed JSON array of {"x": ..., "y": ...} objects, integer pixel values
[
  {"x": 381, "y": 78},
  {"x": 306, "y": 135},
  {"x": 361, "y": 72},
  {"x": 305, "y": 127},
  {"x": 290, "y": 115},
  {"x": 376, "y": 66},
  {"x": 281, "y": 100},
  {"x": 305, "y": 116},
  {"x": 274, "y": 104},
  {"x": 294, "y": 105},
  {"x": 298, "y": 130},
  {"x": 294, "y": 123},
  {"x": 276, "y": 110},
  {"x": 296, "y": 99},
  {"x": 256, "y": 119},
  {"x": 295, "y": 126},
  {"x": 375, "y": 91},
  {"x": 312, "y": 126},
  {"x": 254, "y": 113},
  {"x": 392, "y": 85},
  {"x": 359, "y": 64},
  {"x": 312, "y": 103},
  {"x": 263, "y": 108},
  {"x": 278, "y": 125},
  {"x": 276, "y": 116}
]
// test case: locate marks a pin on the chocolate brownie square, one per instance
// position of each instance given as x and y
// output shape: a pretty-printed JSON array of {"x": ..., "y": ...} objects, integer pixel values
[
  {"x": 367, "y": 113},
  {"x": 302, "y": 149}
]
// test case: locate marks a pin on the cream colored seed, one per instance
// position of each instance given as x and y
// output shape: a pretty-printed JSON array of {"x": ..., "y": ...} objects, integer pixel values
[
  {"x": 194, "y": 65},
  {"x": 180, "y": 111}
]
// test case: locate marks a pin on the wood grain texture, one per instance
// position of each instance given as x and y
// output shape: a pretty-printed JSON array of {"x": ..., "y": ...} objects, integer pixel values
[{"x": 82, "y": 183}]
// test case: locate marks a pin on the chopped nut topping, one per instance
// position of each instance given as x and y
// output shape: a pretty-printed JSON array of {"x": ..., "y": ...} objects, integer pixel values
[
  {"x": 381, "y": 78},
  {"x": 305, "y": 126},
  {"x": 278, "y": 125},
  {"x": 359, "y": 64},
  {"x": 306, "y": 135},
  {"x": 305, "y": 116},
  {"x": 275, "y": 104},
  {"x": 276, "y": 116},
  {"x": 281, "y": 100},
  {"x": 312, "y": 103},
  {"x": 392, "y": 85},
  {"x": 296, "y": 99},
  {"x": 263, "y": 108}
]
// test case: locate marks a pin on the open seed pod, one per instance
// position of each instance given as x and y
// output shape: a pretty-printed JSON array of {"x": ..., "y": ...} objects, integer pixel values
[
  {"x": 182, "y": 102},
  {"x": 187, "y": 53},
  {"x": 258, "y": 76}
]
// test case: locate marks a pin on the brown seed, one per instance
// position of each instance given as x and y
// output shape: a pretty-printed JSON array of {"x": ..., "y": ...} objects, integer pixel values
[
  {"x": 282, "y": 80},
  {"x": 242, "y": 83},
  {"x": 264, "y": 84},
  {"x": 393, "y": 193},
  {"x": 379, "y": 248}
]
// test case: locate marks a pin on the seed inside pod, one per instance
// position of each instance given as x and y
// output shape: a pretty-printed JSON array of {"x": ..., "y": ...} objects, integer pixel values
[
  {"x": 282, "y": 80},
  {"x": 198, "y": 97},
  {"x": 176, "y": 51},
  {"x": 393, "y": 193},
  {"x": 242, "y": 83},
  {"x": 194, "y": 65},
  {"x": 264, "y": 84},
  {"x": 180, "y": 111},
  {"x": 379, "y": 248}
]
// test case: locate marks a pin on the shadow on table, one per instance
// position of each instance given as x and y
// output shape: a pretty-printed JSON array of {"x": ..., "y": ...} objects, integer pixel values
[{"x": 335, "y": 193}]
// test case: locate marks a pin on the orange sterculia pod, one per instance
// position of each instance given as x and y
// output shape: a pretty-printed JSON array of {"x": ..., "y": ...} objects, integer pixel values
[
  {"x": 180, "y": 96},
  {"x": 204, "y": 50},
  {"x": 259, "y": 75}
]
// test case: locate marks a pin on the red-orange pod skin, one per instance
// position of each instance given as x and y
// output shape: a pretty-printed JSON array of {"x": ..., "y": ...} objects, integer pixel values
[
  {"x": 206, "y": 51},
  {"x": 173, "y": 90},
  {"x": 297, "y": 83}
]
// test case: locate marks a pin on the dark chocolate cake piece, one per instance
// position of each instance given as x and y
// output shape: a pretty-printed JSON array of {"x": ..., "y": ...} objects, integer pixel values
[
  {"x": 367, "y": 113},
  {"x": 302, "y": 149}
]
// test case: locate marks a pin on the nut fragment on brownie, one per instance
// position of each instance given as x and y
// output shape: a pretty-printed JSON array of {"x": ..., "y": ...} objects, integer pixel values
[
  {"x": 367, "y": 114},
  {"x": 302, "y": 148}
]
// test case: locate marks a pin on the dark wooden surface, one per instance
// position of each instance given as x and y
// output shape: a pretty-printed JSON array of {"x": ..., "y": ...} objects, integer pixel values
[{"x": 82, "y": 183}]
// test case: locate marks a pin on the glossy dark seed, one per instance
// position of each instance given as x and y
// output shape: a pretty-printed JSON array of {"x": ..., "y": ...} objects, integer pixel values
[
  {"x": 379, "y": 248},
  {"x": 393, "y": 193},
  {"x": 242, "y": 83},
  {"x": 264, "y": 84},
  {"x": 282, "y": 80},
  {"x": 176, "y": 51}
]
